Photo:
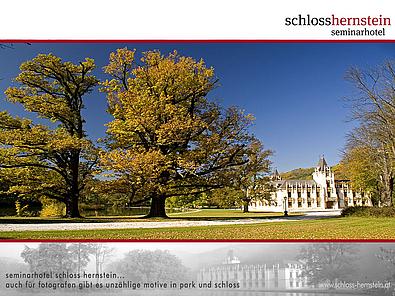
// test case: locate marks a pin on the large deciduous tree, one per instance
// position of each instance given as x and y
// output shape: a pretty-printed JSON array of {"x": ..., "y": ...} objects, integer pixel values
[
  {"x": 387, "y": 255},
  {"x": 58, "y": 258},
  {"x": 146, "y": 266},
  {"x": 327, "y": 262},
  {"x": 251, "y": 178},
  {"x": 366, "y": 167},
  {"x": 49, "y": 257},
  {"x": 374, "y": 107},
  {"x": 166, "y": 138},
  {"x": 43, "y": 160}
]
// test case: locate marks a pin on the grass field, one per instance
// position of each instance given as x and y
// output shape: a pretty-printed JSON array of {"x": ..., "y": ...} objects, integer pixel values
[{"x": 333, "y": 228}]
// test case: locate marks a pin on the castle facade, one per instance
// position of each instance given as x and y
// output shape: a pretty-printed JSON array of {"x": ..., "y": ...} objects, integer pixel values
[
  {"x": 320, "y": 193},
  {"x": 279, "y": 276}
]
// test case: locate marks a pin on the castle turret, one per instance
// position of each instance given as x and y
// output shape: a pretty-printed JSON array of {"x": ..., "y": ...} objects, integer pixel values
[
  {"x": 231, "y": 258},
  {"x": 276, "y": 176},
  {"x": 325, "y": 178}
]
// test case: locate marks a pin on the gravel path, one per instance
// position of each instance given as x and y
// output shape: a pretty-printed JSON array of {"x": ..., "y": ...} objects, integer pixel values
[{"x": 128, "y": 225}]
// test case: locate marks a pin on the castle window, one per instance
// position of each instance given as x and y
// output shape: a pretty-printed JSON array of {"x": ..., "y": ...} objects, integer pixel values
[
  {"x": 299, "y": 194},
  {"x": 289, "y": 203},
  {"x": 309, "y": 203},
  {"x": 308, "y": 194},
  {"x": 345, "y": 193},
  {"x": 289, "y": 194}
]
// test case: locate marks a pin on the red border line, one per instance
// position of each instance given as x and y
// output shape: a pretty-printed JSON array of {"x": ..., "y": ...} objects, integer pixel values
[
  {"x": 200, "y": 241},
  {"x": 197, "y": 40}
]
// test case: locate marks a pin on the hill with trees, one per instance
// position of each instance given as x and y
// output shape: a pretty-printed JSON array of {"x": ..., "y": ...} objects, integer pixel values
[
  {"x": 306, "y": 173},
  {"x": 298, "y": 174}
]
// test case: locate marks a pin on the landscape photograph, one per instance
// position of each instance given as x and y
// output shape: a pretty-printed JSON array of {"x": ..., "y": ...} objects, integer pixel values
[
  {"x": 222, "y": 269},
  {"x": 197, "y": 141}
]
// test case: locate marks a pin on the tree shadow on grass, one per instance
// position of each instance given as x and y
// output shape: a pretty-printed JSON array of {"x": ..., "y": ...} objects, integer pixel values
[
  {"x": 141, "y": 218},
  {"x": 33, "y": 220},
  {"x": 231, "y": 218}
]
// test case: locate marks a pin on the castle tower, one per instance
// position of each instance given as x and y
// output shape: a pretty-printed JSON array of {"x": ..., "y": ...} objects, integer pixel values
[
  {"x": 276, "y": 176},
  {"x": 231, "y": 258},
  {"x": 325, "y": 179}
]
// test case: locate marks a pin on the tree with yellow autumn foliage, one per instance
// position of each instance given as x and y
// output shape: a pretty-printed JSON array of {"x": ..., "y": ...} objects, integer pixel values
[
  {"x": 370, "y": 149},
  {"x": 252, "y": 178},
  {"x": 40, "y": 160},
  {"x": 167, "y": 139}
]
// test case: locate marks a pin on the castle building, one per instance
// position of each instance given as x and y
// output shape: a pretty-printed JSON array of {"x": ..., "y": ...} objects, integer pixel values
[
  {"x": 320, "y": 193},
  {"x": 279, "y": 276}
]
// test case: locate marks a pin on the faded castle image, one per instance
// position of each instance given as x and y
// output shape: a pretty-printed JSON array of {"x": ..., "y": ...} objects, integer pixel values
[
  {"x": 323, "y": 192},
  {"x": 278, "y": 276},
  {"x": 278, "y": 269}
]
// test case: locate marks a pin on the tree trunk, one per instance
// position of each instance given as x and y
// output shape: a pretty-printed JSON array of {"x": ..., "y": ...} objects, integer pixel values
[
  {"x": 388, "y": 187},
  {"x": 72, "y": 210},
  {"x": 391, "y": 192},
  {"x": 245, "y": 205},
  {"x": 158, "y": 208}
]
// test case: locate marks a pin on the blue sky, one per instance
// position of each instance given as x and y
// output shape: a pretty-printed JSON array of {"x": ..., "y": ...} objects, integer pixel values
[{"x": 295, "y": 90}]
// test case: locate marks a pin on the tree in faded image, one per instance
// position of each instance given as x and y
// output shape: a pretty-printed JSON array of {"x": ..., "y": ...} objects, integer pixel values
[
  {"x": 101, "y": 254},
  {"x": 167, "y": 139},
  {"x": 387, "y": 255},
  {"x": 49, "y": 257},
  {"x": 62, "y": 257},
  {"x": 374, "y": 107},
  {"x": 327, "y": 262},
  {"x": 80, "y": 253},
  {"x": 42, "y": 160},
  {"x": 148, "y": 266}
]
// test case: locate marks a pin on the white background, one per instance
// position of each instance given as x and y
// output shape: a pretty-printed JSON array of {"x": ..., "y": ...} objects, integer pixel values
[{"x": 178, "y": 19}]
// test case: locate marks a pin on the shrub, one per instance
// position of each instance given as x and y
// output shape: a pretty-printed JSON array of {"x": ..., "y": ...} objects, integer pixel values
[
  {"x": 21, "y": 211},
  {"x": 26, "y": 209},
  {"x": 369, "y": 212},
  {"x": 52, "y": 208}
]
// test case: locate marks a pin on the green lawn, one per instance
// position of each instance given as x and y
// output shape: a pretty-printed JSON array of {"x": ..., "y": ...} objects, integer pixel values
[{"x": 334, "y": 228}]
